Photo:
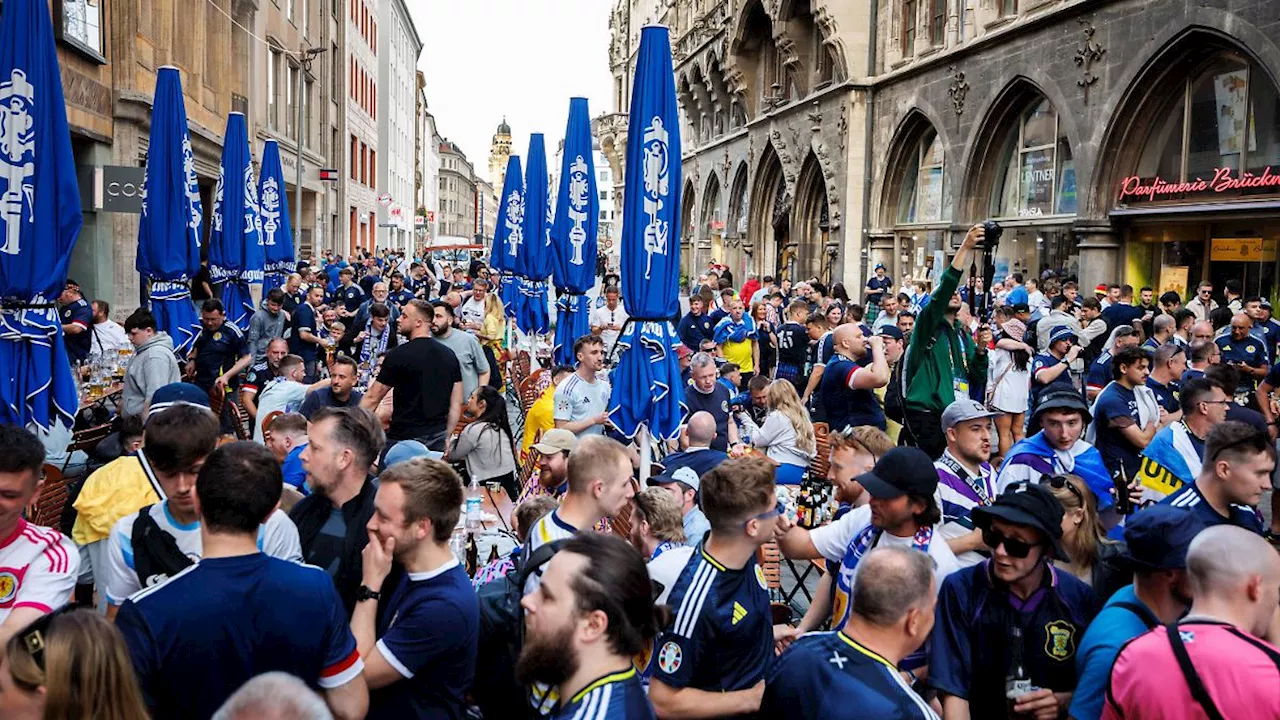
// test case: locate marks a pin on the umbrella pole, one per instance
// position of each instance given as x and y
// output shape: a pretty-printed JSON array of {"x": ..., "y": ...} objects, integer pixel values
[{"x": 645, "y": 441}]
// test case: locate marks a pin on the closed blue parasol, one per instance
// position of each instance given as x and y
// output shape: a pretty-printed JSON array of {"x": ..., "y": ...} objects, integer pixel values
[
  {"x": 169, "y": 231},
  {"x": 277, "y": 229},
  {"x": 646, "y": 380},
  {"x": 533, "y": 261},
  {"x": 573, "y": 235},
  {"x": 235, "y": 244},
  {"x": 509, "y": 234},
  {"x": 40, "y": 219}
]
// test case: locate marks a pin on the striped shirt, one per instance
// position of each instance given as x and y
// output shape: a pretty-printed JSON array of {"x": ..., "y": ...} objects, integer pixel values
[
  {"x": 1189, "y": 498},
  {"x": 617, "y": 696},
  {"x": 959, "y": 492}
]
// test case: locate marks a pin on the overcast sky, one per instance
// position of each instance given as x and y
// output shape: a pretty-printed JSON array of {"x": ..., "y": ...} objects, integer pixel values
[{"x": 521, "y": 58}]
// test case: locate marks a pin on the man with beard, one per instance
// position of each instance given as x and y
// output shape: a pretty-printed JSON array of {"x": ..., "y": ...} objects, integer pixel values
[
  {"x": 261, "y": 374},
  {"x": 975, "y": 640},
  {"x": 554, "y": 448},
  {"x": 341, "y": 391},
  {"x": 711, "y": 661},
  {"x": 590, "y": 616},
  {"x": 1156, "y": 542},
  {"x": 465, "y": 347},
  {"x": 427, "y": 379},
  {"x": 851, "y": 377},
  {"x": 942, "y": 361},
  {"x": 903, "y": 513},
  {"x": 853, "y": 672},
  {"x": 599, "y": 486},
  {"x": 342, "y": 444},
  {"x": 965, "y": 477},
  {"x": 1058, "y": 448},
  {"x": 419, "y": 647}
]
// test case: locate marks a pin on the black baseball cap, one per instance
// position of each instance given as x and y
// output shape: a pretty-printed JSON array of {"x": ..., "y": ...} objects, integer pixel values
[
  {"x": 890, "y": 331},
  {"x": 900, "y": 471},
  {"x": 1028, "y": 504},
  {"x": 1063, "y": 399}
]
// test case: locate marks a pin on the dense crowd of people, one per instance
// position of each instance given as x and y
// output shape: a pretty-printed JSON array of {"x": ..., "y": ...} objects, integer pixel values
[{"x": 1023, "y": 502}]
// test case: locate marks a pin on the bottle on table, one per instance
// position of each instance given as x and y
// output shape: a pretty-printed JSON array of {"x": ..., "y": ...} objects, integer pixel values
[{"x": 473, "y": 554}]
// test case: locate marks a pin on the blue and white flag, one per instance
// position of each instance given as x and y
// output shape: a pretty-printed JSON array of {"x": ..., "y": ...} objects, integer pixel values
[
  {"x": 647, "y": 379},
  {"x": 534, "y": 258},
  {"x": 573, "y": 234},
  {"x": 235, "y": 243},
  {"x": 169, "y": 230},
  {"x": 277, "y": 228},
  {"x": 509, "y": 234},
  {"x": 1169, "y": 461},
  {"x": 40, "y": 220}
]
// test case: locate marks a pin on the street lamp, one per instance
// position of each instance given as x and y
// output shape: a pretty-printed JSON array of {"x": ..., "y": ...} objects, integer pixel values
[{"x": 305, "y": 58}]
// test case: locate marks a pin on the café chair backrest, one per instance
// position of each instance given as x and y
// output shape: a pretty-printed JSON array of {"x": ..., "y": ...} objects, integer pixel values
[{"x": 50, "y": 500}]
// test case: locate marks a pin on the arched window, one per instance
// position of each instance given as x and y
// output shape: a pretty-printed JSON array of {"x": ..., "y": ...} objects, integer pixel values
[
  {"x": 1037, "y": 175},
  {"x": 925, "y": 196},
  {"x": 738, "y": 205},
  {"x": 1225, "y": 117}
]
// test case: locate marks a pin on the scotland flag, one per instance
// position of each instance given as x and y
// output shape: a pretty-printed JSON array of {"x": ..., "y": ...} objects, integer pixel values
[
  {"x": 509, "y": 234},
  {"x": 169, "y": 231},
  {"x": 277, "y": 229},
  {"x": 235, "y": 245},
  {"x": 40, "y": 219},
  {"x": 647, "y": 379},
  {"x": 533, "y": 261},
  {"x": 573, "y": 235}
]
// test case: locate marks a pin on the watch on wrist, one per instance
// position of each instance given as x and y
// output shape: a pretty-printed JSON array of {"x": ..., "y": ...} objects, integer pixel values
[{"x": 364, "y": 592}]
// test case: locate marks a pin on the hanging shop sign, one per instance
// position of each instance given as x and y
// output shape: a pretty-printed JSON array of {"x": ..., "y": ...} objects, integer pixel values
[{"x": 1223, "y": 181}]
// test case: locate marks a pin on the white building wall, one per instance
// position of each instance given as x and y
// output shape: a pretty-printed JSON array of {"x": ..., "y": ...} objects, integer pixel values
[
  {"x": 399, "y": 48},
  {"x": 430, "y": 197},
  {"x": 362, "y": 197}
]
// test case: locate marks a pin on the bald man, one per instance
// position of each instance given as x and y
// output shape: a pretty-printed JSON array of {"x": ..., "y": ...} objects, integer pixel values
[
  {"x": 1228, "y": 638},
  {"x": 858, "y": 367},
  {"x": 700, "y": 431}
]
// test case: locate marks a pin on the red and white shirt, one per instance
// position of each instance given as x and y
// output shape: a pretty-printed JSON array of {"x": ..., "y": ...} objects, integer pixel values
[{"x": 38, "y": 569}]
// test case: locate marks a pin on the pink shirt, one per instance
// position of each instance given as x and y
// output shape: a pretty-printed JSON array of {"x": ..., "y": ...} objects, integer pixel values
[{"x": 1240, "y": 673}]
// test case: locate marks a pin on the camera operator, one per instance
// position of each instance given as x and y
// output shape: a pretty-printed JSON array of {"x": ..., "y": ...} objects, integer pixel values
[{"x": 942, "y": 360}]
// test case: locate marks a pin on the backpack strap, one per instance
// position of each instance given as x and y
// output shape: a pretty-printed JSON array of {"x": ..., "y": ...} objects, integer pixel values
[
  {"x": 156, "y": 554},
  {"x": 1141, "y": 611},
  {"x": 1197, "y": 687},
  {"x": 536, "y": 560}
]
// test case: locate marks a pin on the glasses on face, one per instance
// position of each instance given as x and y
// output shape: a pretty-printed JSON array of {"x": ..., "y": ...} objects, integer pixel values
[
  {"x": 768, "y": 514},
  {"x": 1257, "y": 440},
  {"x": 1206, "y": 291},
  {"x": 1014, "y": 547},
  {"x": 1057, "y": 482}
]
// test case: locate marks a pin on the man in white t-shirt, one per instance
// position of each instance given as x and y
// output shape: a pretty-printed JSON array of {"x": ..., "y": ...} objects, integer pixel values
[
  {"x": 607, "y": 322},
  {"x": 38, "y": 565},
  {"x": 109, "y": 336},
  {"x": 471, "y": 314},
  {"x": 903, "y": 512},
  {"x": 284, "y": 393},
  {"x": 582, "y": 399},
  {"x": 657, "y": 532}
]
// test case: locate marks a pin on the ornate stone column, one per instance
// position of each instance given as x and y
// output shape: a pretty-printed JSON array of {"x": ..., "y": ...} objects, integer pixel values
[{"x": 1099, "y": 253}]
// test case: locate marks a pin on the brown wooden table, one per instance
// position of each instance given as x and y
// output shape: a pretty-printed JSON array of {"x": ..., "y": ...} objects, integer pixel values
[{"x": 498, "y": 503}]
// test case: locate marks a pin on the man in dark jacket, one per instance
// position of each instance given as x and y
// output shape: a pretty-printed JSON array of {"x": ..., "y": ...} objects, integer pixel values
[{"x": 342, "y": 445}]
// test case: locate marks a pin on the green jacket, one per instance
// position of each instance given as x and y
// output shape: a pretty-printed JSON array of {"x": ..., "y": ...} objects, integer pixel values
[{"x": 935, "y": 345}]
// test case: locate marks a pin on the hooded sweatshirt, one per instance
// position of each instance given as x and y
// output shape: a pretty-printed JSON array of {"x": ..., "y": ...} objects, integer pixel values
[{"x": 153, "y": 366}]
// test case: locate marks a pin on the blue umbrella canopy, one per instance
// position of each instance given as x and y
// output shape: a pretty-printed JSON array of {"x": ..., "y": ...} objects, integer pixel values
[
  {"x": 235, "y": 244},
  {"x": 40, "y": 219},
  {"x": 647, "y": 379},
  {"x": 169, "y": 230},
  {"x": 533, "y": 260},
  {"x": 573, "y": 233},
  {"x": 509, "y": 234},
  {"x": 277, "y": 228}
]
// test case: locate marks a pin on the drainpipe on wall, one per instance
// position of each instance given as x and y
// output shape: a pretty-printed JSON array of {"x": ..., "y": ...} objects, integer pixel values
[{"x": 866, "y": 149}]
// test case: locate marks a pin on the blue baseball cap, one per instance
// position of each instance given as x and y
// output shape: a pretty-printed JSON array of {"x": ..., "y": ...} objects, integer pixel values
[
  {"x": 1157, "y": 538},
  {"x": 409, "y": 450},
  {"x": 1062, "y": 332},
  {"x": 178, "y": 393}
]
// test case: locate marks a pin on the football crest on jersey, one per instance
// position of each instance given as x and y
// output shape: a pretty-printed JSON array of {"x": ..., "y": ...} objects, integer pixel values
[
  {"x": 669, "y": 657},
  {"x": 1060, "y": 639},
  {"x": 8, "y": 586},
  {"x": 764, "y": 584}
]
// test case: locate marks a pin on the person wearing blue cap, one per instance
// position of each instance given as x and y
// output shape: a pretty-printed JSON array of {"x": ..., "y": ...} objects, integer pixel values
[
  {"x": 1052, "y": 367},
  {"x": 1157, "y": 540}
]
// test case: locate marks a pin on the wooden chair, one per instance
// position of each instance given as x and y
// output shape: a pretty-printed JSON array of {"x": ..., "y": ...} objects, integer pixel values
[
  {"x": 822, "y": 462},
  {"x": 531, "y": 388},
  {"x": 51, "y": 500},
  {"x": 769, "y": 556},
  {"x": 243, "y": 424},
  {"x": 85, "y": 441}
]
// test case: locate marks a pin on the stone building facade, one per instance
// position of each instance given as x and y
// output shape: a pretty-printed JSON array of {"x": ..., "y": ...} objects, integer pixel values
[
  {"x": 457, "y": 195},
  {"x": 400, "y": 47},
  {"x": 772, "y": 127},
  {"x": 1123, "y": 141}
]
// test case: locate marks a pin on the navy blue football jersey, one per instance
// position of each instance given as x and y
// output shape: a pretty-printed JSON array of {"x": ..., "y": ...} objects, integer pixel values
[
  {"x": 618, "y": 696},
  {"x": 1189, "y": 498},
  {"x": 829, "y": 676}
]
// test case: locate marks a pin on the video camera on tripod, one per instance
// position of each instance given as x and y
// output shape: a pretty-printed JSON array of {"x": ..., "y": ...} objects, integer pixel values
[{"x": 991, "y": 234}]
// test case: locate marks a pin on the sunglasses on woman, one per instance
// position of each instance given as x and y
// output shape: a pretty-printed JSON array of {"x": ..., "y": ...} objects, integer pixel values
[
  {"x": 1014, "y": 547},
  {"x": 1057, "y": 482},
  {"x": 33, "y": 637}
]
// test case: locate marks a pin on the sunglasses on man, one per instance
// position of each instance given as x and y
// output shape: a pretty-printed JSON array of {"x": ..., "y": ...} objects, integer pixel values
[{"x": 1014, "y": 547}]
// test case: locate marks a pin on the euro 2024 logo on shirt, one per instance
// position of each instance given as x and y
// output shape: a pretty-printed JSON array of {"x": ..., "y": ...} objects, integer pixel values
[
  {"x": 669, "y": 657},
  {"x": 1060, "y": 640}
]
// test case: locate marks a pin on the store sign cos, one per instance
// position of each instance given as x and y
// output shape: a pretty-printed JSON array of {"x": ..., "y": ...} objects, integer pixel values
[{"x": 1223, "y": 181}]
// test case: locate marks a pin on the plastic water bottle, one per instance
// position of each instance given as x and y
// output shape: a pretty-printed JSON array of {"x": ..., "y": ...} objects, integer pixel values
[{"x": 473, "y": 508}]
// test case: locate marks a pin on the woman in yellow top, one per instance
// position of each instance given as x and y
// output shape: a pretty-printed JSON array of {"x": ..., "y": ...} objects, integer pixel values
[{"x": 540, "y": 418}]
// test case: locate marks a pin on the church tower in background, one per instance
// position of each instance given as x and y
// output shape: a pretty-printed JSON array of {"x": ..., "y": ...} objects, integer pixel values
[{"x": 499, "y": 152}]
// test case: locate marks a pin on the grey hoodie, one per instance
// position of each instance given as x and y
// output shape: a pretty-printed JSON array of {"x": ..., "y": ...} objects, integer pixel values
[{"x": 153, "y": 366}]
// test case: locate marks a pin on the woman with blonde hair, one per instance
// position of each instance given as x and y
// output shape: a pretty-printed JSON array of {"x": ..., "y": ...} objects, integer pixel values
[
  {"x": 1095, "y": 559},
  {"x": 69, "y": 665},
  {"x": 787, "y": 434},
  {"x": 494, "y": 328}
]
